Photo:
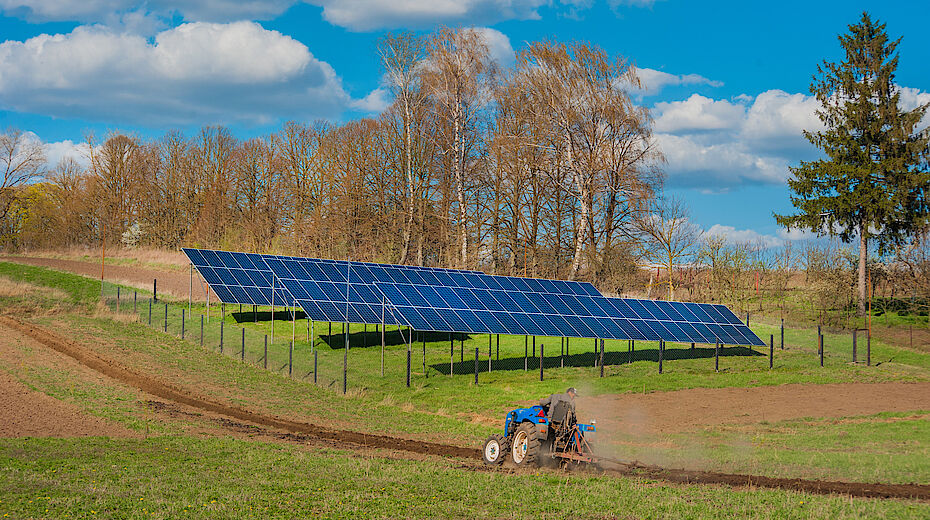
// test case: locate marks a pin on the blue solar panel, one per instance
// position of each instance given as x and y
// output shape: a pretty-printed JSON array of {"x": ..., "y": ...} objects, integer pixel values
[
  {"x": 685, "y": 322},
  {"x": 236, "y": 277}
]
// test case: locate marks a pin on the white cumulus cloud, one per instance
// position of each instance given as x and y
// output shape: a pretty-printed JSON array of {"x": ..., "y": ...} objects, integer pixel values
[
  {"x": 366, "y": 15},
  {"x": 653, "y": 81},
  {"x": 194, "y": 73},
  {"x": 743, "y": 236}
]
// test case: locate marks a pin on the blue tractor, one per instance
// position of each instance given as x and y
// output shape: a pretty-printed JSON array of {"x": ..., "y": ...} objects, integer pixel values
[{"x": 536, "y": 436}]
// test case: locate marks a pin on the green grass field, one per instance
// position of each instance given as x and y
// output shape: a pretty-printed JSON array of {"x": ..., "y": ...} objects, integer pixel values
[
  {"x": 444, "y": 408},
  {"x": 185, "y": 477}
]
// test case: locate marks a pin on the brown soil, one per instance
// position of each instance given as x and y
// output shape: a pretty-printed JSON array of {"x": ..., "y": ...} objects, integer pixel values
[
  {"x": 26, "y": 413},
  {"x": 686, "y": 410},
  {"x": 174, "y": 283},
  {"x": 236, "y": 418}
]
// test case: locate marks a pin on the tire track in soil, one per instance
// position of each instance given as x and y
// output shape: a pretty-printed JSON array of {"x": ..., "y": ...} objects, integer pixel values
[{"x": 301, "y": 431}]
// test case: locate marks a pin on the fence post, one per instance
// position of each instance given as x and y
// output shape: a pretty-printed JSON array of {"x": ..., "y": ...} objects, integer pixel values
[
  {"x": 771, "y": 350},
  {"x": 408, "y": 367},
  {"x": 265, "y": 358},
  {"x": 345, "y": 367},
  {"x": 242, "y": 357},
  {"x": 489, "y": 353},
  {"x": 717, "y": 355},
  {"x": 632, "y": 350},
  {"x": 854, "y": 345},
  {"x": 747, "y": 318},
  {"x": 155, "y": 289},
  {"x": 602, "y": 358},
  {"x": 425, "y": 372},
  {"x": 462, "y": 349},
  {"x": 542, "y": 359},
  {"x": 498, "y": 347},
  {"x": 183, "y": 322},
  {"x": 820, "y": 347},
  {"x": 661, "y": 351},
  {"x": 451, "y": 353},
  {"x": 166, "y": 316},
  {"x": 221, "y": 336},
  {"x": 290, "y": 359},
  {"x": 117, "y": 298},
  {"x": 526, "y": 351},
  {"x": 783, "y": 333},
  {"x": 568, "y": 342},
  {"x": 201, "y": 330},
  {"x": 562, "y": 353},
  {"x": 868, "y": 349},
  {"x": 476, "y": 365},
  {"x": 315, "y": 352},
  {"x": 135, "y": 297}
]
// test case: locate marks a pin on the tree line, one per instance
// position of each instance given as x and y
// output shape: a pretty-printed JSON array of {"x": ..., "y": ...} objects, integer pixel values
[{"x": 544, "y": 167}]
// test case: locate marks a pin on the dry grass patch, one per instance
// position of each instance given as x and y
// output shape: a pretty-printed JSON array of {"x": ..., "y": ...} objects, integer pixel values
[{"x": 13, "y": 289}]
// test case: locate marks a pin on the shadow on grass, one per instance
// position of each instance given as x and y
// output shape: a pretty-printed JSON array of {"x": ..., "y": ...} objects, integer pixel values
[{"x": 587, "y": 359}]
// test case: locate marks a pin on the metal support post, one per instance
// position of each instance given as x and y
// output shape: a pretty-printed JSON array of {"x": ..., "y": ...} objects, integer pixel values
[
  {"x": 526, "y": 348},
  {"x": 771, "y": 350},
  {"x": 451, "y": 353},
  {"x": 783, "y": 333},
  {"x": 290, "y": 359},
  {"x": 201, "y": 330},
  {"x": 265, "y": 357},
  {"x": 717, "y": 355},
  {"x": 602, "y": 358},
  {"x": 489, "y": 353},
  {"x": 820, "y": 348},
  {"x": 183, "y": 322},
  {"x": 854, "y": 345},
  {"x": 166, "y": 317},
  {"x": 542, "y": 359},
  {"x": 661, "y": 351},
  {"x": 476, "y": 365}
]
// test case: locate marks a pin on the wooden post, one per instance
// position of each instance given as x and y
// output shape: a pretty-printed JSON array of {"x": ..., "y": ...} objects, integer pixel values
[
  {"x": 382, "y": 338},
  {"x": 820, "y": 348}
]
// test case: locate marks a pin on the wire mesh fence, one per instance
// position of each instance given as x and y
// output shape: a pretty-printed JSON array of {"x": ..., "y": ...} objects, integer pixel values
[{"x": 344, "y": 357}]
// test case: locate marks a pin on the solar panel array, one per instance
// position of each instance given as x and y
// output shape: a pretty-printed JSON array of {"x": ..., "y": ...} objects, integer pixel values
[
  {"x": 332, "y": 290},
  {"x": 435, "y": 299},
  {"x": 235, "y": 277},
  {"x": 460, "y": 309}
]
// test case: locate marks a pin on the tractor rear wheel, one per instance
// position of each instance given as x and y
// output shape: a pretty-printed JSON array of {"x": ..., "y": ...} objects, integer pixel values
[
  {"x": 526, "y": 446},
  {"x": 495, "y": 449}
]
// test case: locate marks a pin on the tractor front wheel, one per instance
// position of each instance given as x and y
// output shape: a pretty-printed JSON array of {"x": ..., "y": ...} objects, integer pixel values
[
  {"x": 526, "y": 446},
  {"x": 494, "y": 450}
]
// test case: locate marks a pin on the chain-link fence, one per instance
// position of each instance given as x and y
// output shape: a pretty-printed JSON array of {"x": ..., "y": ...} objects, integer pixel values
[{"x": 346, "y": 357}]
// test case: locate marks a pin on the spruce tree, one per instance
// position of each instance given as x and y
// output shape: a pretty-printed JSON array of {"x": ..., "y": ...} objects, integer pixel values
[{"x": 873, "y": 182}]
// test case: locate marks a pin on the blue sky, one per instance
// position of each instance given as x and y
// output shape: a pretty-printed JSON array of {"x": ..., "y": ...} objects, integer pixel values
[{"x": 727, "y": 81}]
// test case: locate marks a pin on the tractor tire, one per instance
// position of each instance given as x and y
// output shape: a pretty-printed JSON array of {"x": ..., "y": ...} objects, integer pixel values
[
  {"x": 495, "y": 450},
  {"x": 526, "y": 447}
]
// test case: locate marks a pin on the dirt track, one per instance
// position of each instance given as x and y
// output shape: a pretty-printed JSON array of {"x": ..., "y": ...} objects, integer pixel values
[
  {"x": 176, "y": 284},
  {"x": 26, "y": 413},
  {"x": 686, "y": 410},
  {"x": 238, "y": 416}
]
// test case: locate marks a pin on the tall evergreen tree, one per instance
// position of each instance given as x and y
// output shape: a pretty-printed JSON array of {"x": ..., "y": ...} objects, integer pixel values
[{"x": 874, "y": 182}]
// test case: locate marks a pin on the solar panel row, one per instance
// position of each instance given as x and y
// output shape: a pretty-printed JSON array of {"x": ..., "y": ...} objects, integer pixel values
[
  {"x": 458, "y": 301},
  {"x": 458, "y": 309}
]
